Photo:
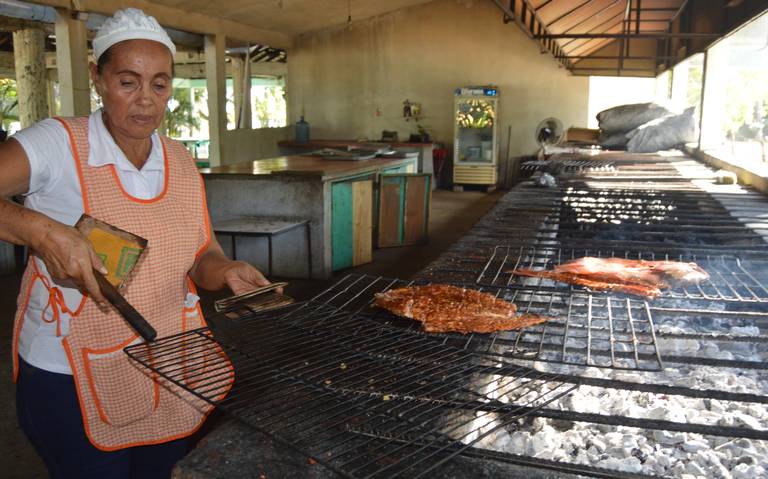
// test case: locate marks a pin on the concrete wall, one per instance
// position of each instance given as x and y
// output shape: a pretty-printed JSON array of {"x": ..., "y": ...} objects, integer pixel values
[
  {"x": 352, "y": 82},
  {"x": 247, "y": 145},
  {"x": 230, "y": 196}
]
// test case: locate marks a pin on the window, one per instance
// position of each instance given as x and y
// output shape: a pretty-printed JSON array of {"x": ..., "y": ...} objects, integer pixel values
[
  {"x": 187, "y": 114},
  {"x": 268, "y": 109},
  {"x": 664, "y": 88},
  {"x": 734, "y": 125},
  {"x": 9, "y": 106},
  {"x": 686, "y": 83}
]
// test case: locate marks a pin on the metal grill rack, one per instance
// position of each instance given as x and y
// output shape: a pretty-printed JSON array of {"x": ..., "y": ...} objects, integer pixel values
[
  {"x": 354, "y": 292},
  {"x": 585, "y": 330},
  {"x": 370, "y": 395},
  {"x": 627, "y": 166},
  {"x": 721, "y": 230},
  {"x": 652, "y": 168},
  {"x": 730, "y": 279},
  {"x": 362, "y": 398},
  {"x": 668, "y": 218},
  {"x": 571, "y": 166}
]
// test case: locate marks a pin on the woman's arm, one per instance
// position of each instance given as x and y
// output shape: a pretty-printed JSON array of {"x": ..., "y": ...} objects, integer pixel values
[
  {"x": 213, "y": 270},
  {"x": 67, "y": 254}
]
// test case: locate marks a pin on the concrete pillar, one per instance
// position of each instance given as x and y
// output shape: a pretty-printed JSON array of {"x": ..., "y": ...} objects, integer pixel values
[
  {"x": 238, "y": 69},
  {"x": 52, "y": 111},
  {"x": 72, "y": 64},
  {"x": 217, "y": 113},
  {"x": 31, "y": 87},
  {"x": 246, "y": 116},
  {"x": 241, "y": 81}
]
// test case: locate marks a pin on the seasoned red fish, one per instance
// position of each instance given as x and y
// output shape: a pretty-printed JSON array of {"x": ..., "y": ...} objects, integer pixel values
[
  {"x": 444, "y": 308},
  {"x": 639, "y": 277}
]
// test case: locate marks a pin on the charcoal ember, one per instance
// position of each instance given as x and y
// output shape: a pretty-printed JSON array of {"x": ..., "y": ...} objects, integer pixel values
[
  {"x": 518, "y": 442},
  {"x": 743, "y": 471},
  {"x": 695, "y": 469},
  {"x": 628, "y": 464},
  {"x": 561, "y": 424},
  {"x": 695, "y": 446},
  {"x": 598, "y": 444},
  {"x": 669, "y": 438},
  {"x": 747, "y": 460},
  {"x": 544, "y": 443},
  {"x": 640, "y": 455}
]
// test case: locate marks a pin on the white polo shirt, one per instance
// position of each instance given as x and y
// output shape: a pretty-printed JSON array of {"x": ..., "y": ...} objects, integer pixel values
[{"x": 54, "y": 190}]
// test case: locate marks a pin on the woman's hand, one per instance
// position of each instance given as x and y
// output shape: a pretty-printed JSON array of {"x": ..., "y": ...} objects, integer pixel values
[
  {"x": 242, "y": 277},
  {"x": 213, "y": 270},
  {"x": 69, "y": 256}
]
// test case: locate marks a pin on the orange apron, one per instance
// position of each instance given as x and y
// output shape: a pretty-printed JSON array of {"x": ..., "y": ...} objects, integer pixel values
[{"x": 122, "y": 406}]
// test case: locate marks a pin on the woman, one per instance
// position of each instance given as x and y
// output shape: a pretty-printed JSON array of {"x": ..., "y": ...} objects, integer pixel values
[{"x": 84, "y": 407}]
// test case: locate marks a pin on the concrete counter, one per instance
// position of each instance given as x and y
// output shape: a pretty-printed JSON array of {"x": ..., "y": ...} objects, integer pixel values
[
  {"x": 423, "y": 149},
  {"x": 297, "y": 187},
  {"x": 306, "y": 166}
]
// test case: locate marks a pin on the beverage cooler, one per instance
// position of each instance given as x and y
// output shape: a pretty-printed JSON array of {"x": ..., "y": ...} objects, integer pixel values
[{"x": 475, "y": 141}]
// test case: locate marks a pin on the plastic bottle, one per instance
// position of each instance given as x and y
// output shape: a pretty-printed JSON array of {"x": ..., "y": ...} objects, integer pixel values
[{"x": 302, "y": 130}]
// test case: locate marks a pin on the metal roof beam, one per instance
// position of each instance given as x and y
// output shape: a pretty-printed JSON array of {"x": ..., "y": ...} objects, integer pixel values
[
  {"x": 648, "y": 36},
  {"x": 614, "y": 25},
  {"x": 591, "y": 17},
  {"x": 566, "y": 14},
  {"x": 615, "y": 57},
  {"x": 624, "y": 41},
  {"x": 678, "y": 12},
  {"x": 614, "y": 69},
  {"x": 532, "y": 26}
]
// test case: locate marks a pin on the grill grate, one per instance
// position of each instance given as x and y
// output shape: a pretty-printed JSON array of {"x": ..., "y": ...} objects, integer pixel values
[
  {"x": 354, "y": 292},
  {"x": 363, "y": 398},
  {"x": 586, "y": 330},
  {"x": 591, "y": 216},
  {"x": 730, "y": 279},
  {"x": 569, "y": 166},
  {"x": 675, "y": 218}
]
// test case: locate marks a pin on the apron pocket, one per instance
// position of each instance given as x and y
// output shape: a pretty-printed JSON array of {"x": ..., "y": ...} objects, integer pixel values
[{"x": 122, "y": 393}]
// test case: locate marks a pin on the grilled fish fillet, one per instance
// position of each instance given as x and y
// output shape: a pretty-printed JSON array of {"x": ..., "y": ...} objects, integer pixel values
[
  {"x": 638, "y": 277},
  {"x": 444, "y": 308}
]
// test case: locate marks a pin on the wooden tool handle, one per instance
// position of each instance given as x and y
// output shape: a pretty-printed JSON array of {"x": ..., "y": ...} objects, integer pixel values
[{"x": 133, "y": 317}]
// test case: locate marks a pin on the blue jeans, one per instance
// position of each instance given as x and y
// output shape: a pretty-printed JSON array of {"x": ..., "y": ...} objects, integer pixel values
[{"x": 49, "y": 414}]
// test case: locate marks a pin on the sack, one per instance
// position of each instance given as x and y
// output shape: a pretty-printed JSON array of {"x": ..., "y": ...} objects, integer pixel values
[
  {"x": 624, "y": 118},
  {"x": 663, "y": 134},
  {"x": 613, "y": 141}
]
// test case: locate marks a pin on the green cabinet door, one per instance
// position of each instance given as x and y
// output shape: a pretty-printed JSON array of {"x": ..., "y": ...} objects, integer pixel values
[
  {"x": 403, "y": 208},
  {"x": 351, "y": 223}
]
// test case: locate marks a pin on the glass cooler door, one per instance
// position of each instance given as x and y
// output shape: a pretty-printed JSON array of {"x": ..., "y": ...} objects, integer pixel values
[{"x": 475, "y": 118}]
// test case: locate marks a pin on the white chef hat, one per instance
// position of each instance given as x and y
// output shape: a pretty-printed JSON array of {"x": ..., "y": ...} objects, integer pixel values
[{"x": 129, "y": 24}]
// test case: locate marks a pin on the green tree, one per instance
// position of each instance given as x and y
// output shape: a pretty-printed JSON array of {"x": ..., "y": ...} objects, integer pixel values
[
  {"x": 269, "y": 106},
  {"x": 9, "y": 103},
  {"x": 180, "y": 113}
]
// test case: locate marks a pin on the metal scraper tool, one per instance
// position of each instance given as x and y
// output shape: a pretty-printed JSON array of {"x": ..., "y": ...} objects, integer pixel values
[{"x": 133, "y": 317}]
